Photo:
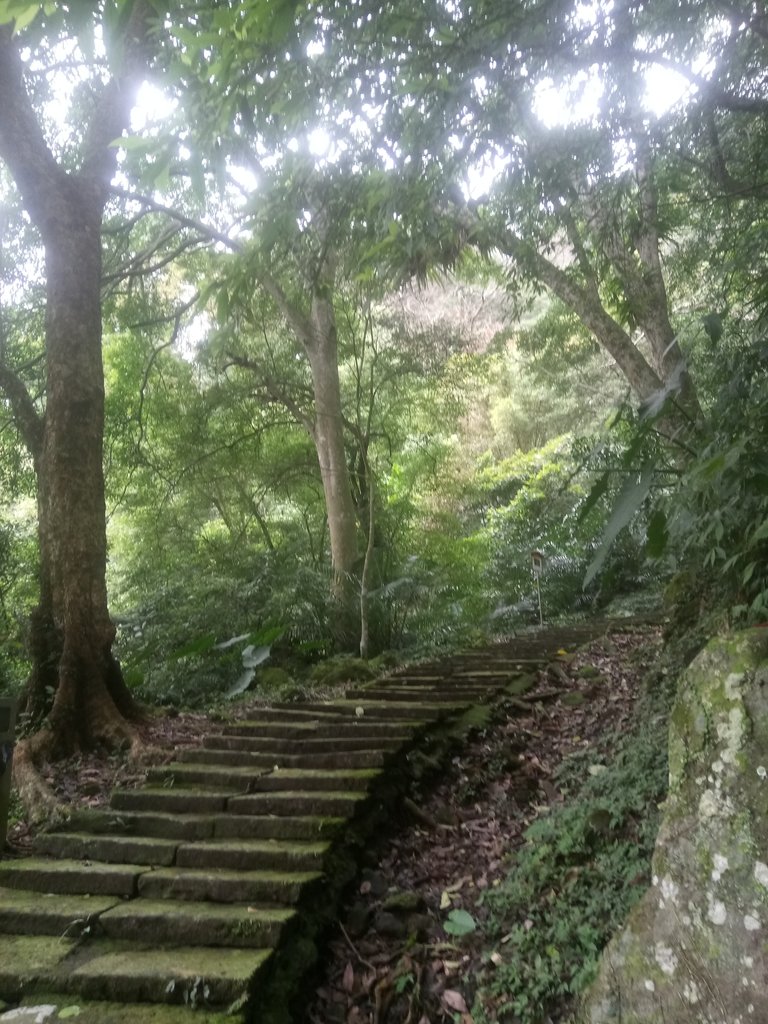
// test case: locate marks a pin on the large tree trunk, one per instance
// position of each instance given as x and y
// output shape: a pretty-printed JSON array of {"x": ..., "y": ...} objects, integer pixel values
[
  {"x": 72, "y": 634},
  {"x": 90, "y": 698}
]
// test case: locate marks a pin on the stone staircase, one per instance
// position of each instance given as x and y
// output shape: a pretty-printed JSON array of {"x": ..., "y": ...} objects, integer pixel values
[{"x": 209, "y": 887}]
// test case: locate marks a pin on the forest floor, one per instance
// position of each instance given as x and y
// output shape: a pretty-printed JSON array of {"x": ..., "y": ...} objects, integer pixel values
[{"x": 391, "y": 959}]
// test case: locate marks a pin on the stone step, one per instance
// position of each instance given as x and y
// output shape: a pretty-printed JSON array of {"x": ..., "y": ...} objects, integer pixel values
[
  {"x": 393, "y": 711},
  {"x": 253, "y": 855},
  {"x": 297, "y": 827},
  {"x": 325, "y": 727},
  {"x": 324, "y": 745},
  {"x": 246, "y": 758},
  {"x": 318, "y": 803},
  {"x": 115, "y": 849},
  {"x": 190, "y": 923},
  {"x": 462, "y": 694},
  {"x": 71, "y": 876},
  {"x": 243, "y": 780},
  {"x": 28, "y": 913},
  {"x": 142, "y": 823},
  {"x": 220, "y": 885},
  {"x": 106, "y": 969},
  {"x": 170, "y": 800}
]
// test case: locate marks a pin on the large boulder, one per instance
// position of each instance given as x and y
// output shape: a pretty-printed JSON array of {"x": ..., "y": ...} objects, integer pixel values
[{"x": 695, "y": 949}]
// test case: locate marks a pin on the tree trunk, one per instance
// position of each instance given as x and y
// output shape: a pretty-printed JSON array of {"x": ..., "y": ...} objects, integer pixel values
[
  {"x": 90, "y": 698},
  {"x": 328, "y": 436},
  {"x": 71, "y": 634}
]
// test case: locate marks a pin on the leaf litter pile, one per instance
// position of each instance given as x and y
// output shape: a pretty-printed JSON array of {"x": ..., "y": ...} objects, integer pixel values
[{"x": 409, "y": 946}]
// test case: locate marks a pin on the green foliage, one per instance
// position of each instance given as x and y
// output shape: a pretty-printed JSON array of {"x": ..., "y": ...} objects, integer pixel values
[{"x": 581, "y": 869}]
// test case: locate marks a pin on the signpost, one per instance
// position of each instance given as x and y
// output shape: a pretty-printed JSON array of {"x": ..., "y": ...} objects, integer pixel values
[
  {"x": 7, "y": 732},
  {"x": 537, "y": 566}
]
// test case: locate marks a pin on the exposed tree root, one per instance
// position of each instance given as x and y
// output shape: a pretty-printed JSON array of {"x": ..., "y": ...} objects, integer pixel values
[{"x": 37, "y": 797}]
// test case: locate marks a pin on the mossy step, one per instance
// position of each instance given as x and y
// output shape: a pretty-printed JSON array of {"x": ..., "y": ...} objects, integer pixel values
[
  {"x": 244, "y": 758},
  {"x": 325, "y": 779},
  {"x": 254, "y": 826},
  {"x": 118, "y": 849},
  {"x": 170, "y": 800},
  {"x": 329, "y": 744},
  {"x": 28, "y": 913},
  {"x": 219, "y": 777},
  {"x": 27, "y": 960},
  {"x": 142, "y": 823},
  {"x": 111, "y": 970},
  {"x": 101, "y": 1012},
  {"x": 423, "y": 695},
  {"x": 343, "y": 727},
  {"x": 253, "y": 854},
  {"x": 220, "y": 885},
  {"x": 393, "y": 711},
  {"x": 71, "y": 876},
  {"x": 189, "y": 923},
  {"x": 319, "y": 802}
]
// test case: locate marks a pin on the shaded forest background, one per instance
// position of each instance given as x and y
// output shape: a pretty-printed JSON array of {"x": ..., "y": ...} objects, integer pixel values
[{"x": 388, "y": 298}]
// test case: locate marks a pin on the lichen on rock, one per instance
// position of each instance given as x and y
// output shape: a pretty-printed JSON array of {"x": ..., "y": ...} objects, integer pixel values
[{"x": 695, "y": 949}]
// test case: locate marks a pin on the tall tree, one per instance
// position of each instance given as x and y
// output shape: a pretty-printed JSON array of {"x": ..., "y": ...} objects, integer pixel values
[{"x": 72, "y": 633}]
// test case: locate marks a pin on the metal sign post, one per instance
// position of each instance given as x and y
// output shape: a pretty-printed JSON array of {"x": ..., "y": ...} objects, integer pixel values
[{"x": 537, "y": 565}]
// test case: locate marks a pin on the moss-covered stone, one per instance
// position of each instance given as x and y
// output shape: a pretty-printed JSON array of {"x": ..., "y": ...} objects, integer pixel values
[
  {"x": 99, "y": 1012},
  {"x": 187, "y": 923},
  {"x": 224, "y": 886},
  {"x": 115, "y": 849},
  {"x": 30, "y": 913},
  {"x": 26, "y": 959},
  {"x": 694, "y": 948},
  {"x": 253, "y": 854},
  {"x": 69, "y": 876}
]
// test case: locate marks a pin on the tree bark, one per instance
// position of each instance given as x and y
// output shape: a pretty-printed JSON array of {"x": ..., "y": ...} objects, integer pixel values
[
  {"x": 317, "y": 334},
  {"x": 71, "y": 634}
]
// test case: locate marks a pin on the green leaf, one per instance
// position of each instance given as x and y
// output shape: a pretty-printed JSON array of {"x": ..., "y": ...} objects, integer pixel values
[
  {"x": 713, "y": 326},
  {"x": 200, "y": 645},
  {"x": 254, "y": 656},
  {"x": 598, "y": 490},
  {"x": 459, "y": 922},
  {"x": 657, "y": 534},
  {"x": 69, "y": 1011},
  {"x": 631, "y": 497},
  {"x": 241, "y": 684}
]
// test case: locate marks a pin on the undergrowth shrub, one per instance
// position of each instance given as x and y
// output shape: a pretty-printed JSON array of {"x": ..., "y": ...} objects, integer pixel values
[{"x": 581, "y": 869}]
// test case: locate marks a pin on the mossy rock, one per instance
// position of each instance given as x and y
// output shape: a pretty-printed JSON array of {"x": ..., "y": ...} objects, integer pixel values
[
  {"x": 275, "y": 678},
  {"x": 342, "y": 670},
  {"x": 693, "y": 949}
]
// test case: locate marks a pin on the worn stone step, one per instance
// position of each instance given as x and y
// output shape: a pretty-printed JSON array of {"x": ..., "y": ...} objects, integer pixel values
[
  {"x": 100, "y": 1011},
  {"x": 170, "y": 800},
  {"x": 29, "y": 961},
  {"x": 190, "y": 923},
  {"x": 319, "y": 802},
  {"x": 220, "y": 778},
  {"x": 116, "y": 849},
  {"x": 112, "y": 970},
  {"x": 246, "y": 780},
  {"x": 391, "y": 711},
  {"x": 29, "y": 913},
  {"x": 272, "y": 826},
  {"x": 71, "y": 876},
  {"x": 253, "y": 855},
  {"x": 324, "y": 745},
  {"x": 220, "y": 885},
  {"x": 245, "y": 758},
  {"x": 423, "y": 694},
  {"x": 142, "y": 823},
  {"x": 330, "y": 727},
  {"x": 324, "y": 779}
]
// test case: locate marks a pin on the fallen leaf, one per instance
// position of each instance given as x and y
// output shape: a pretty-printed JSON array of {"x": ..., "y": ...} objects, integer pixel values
[
  {"x": 348, "y": 981},
  {"x": 454, "y": 1001}
]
